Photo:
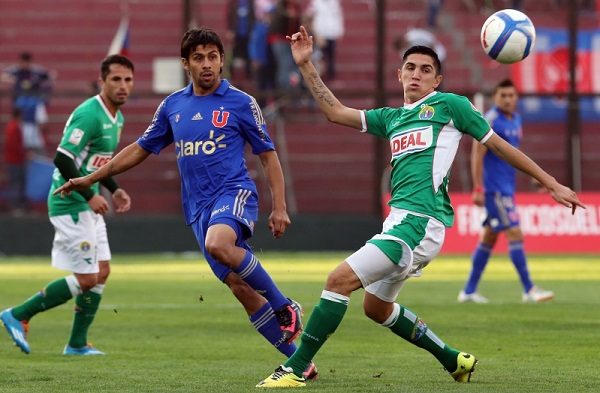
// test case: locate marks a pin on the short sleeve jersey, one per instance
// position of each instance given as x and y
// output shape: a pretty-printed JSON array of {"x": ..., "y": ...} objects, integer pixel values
[
  {"x": 424, "y": 138},
  {"x": 210, "y": 135},
  {"x": 498, "y": 175},
  {"x": 90, "y": 138}
]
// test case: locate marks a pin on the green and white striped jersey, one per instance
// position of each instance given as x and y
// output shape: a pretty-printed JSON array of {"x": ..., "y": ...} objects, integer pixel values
[
  {"x": 90, "y": 138},
  {"x": 424, "y": 138}
]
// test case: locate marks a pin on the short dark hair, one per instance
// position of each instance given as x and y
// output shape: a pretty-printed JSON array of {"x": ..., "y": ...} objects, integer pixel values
[
  {"x": 200, "y": 36},
  {"x": 114, "y": 59},
  {"x": 424, "y": 50},
  {"x": 504, "y": 83}
]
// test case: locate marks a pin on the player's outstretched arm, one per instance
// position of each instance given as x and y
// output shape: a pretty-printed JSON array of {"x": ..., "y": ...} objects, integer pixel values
[
  {"x": 561, "y": 194},
  {"x": 302, "y": 48},
  {"x": 127, "y": 158}
]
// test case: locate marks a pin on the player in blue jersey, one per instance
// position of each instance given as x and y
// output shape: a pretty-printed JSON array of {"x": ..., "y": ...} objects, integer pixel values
[
  {"x": 494, "y": 189},
  {"x": 210, "y": 122}
]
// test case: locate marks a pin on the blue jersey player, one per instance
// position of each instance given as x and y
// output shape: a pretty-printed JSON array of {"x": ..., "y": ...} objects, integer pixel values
[
  {"x": 210, "y": 122},
  {"x": 494, "y": 189}
]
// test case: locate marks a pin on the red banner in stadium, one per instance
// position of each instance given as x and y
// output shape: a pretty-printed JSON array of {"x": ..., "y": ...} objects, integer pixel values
[{"x": 548, "y": 228}]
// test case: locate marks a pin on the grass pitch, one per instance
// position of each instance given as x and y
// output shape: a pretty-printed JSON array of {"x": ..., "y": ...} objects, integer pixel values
[{"x": 168, "y": 325}]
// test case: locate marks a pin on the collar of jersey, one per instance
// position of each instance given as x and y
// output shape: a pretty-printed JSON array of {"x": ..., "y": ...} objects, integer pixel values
[
  {"x": 415, "y": 104},
  {"x": 224, "y": 85}
]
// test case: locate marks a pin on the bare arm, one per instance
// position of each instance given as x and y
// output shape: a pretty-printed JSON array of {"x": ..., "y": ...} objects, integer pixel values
[
  {"x": 302, "y": 48},
  {"x": 477, "y": 153},
  {"x": 504, "y": 150},
  {"x": 127, "y": 158},
  {"x": 279, "y": 219}
]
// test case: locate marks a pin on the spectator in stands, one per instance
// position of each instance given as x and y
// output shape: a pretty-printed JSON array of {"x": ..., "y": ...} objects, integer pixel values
[
  {"x": 424, "y": 136},
  {"x": 31, "y": 87},
  {"x": 417, "y": 36},
  {"x": 433, "y": 10},
  {"x": 285, "y": 21},
  {"x": 15, "y": 160},
  {"x": 211, "y": 124},
  {"x": 494, "y": 189},
  {"x": 327, "y": 21},
  {"x": 240, "y": 22},
  {"x": 261, "y": 57},
  {"x": 80, "y": 246}
]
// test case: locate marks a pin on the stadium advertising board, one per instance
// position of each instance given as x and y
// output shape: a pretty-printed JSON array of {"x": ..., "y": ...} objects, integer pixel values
[{"x": 549, "y": 228}]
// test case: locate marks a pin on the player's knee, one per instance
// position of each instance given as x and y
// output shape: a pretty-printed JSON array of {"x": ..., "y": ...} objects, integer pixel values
[
  {"x": 87, "y": 281},
  {"x": 219, "y": 250}
]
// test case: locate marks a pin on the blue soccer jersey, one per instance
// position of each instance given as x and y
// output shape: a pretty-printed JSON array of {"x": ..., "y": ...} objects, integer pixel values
[
  {"x": 498, "y": 175},
  {"x": 210, "y": 134}
]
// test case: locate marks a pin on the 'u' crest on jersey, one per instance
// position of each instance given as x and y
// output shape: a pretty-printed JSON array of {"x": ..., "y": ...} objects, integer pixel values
[{"x": 220, "y": 123}]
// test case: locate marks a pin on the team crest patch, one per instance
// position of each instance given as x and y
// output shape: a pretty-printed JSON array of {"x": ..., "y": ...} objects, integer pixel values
[
  {"x": 177, "y": 118},
  {"x": 426, "y": 112},
  {"x": 85, "y": 246},
  {"x": 76, "y": 136}
]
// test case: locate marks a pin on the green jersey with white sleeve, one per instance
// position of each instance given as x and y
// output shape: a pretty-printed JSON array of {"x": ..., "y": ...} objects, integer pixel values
[
  {"x": 424, "y": 138},
  {"x": 90, "y": 138}
]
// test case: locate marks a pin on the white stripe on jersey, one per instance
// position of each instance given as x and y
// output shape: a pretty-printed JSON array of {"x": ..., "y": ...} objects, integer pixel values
[
  {"x": 240, "y": 201},
  {"x": 445, "y": 151},
  {"x": 253, "y": 100}
]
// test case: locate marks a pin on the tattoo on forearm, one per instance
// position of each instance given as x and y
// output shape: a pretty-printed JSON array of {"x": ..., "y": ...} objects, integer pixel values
[{"x": 320, "y": 90}]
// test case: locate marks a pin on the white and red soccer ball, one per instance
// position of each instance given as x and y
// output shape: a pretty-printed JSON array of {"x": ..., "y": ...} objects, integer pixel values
[{"x": 508, "y": 36}]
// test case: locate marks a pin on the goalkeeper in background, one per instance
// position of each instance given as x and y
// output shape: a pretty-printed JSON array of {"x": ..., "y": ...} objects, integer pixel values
[{"x": 80, "y": 245}]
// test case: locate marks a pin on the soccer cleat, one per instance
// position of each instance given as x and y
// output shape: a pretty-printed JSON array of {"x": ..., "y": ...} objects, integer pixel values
[
  {"x": 311, "y": 373},
  {"x": 14, "y": 328},
  {"x": 88, "y": 350},
  {"x": 537, "y": 295},
  {"x": 474, "y": 297},
  {"x": 283, "y": 377},
  {"x": 289, "y": 318},
  {"x": 465, "y": 366}
]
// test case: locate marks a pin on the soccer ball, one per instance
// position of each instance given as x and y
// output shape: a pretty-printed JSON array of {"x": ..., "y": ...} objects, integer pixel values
[{"x": 508, "y": 36}]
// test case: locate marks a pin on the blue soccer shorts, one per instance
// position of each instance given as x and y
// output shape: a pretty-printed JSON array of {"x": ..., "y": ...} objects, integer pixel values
[
  {"x": 500, "y": 212},
  {"x": 237, "y": 208}
]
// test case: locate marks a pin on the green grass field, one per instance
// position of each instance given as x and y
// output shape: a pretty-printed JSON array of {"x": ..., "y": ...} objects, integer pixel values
[{"x": 168, "y": 325}]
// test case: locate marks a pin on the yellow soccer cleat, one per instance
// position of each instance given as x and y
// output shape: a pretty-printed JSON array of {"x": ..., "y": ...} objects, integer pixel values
[
  {"x": 283, "y": 377},
  {"x": 466, "y": 365}
]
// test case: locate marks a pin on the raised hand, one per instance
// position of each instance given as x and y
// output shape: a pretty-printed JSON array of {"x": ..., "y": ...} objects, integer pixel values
[{"x": 302, "y": 46}]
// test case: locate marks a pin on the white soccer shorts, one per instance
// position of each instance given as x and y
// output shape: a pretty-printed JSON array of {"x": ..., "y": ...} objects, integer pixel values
[
  {"x": 78, "y": 246},
  {"x": 383, "y": 278}
]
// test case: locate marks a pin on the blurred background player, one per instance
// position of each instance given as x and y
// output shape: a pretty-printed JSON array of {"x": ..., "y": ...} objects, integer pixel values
[
  {"x": 494, "y": 189},
  {"x": 31, "y": 88},
  {"x": 90, "y": 138},
  {"x": 213, "y": 121}
]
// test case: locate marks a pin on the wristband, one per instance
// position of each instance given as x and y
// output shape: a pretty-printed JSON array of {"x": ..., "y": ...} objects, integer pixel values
[{"x": 478, "y": 189}]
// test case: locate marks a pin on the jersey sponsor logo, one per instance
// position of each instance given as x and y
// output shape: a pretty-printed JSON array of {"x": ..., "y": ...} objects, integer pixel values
[
  {"x": 96, "y": 161},
  {"x": 183, "y": 148},
  {"x": 222, "y": 209},
  {"x": 426, "y": 112},
  {"x": 411, "y": 141},
  {"x": 222, "y": 122},
  {"x": 198, "y": 116},
  {"x": 76, "y": 136},
  {"x": 107, "y": 126}
]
